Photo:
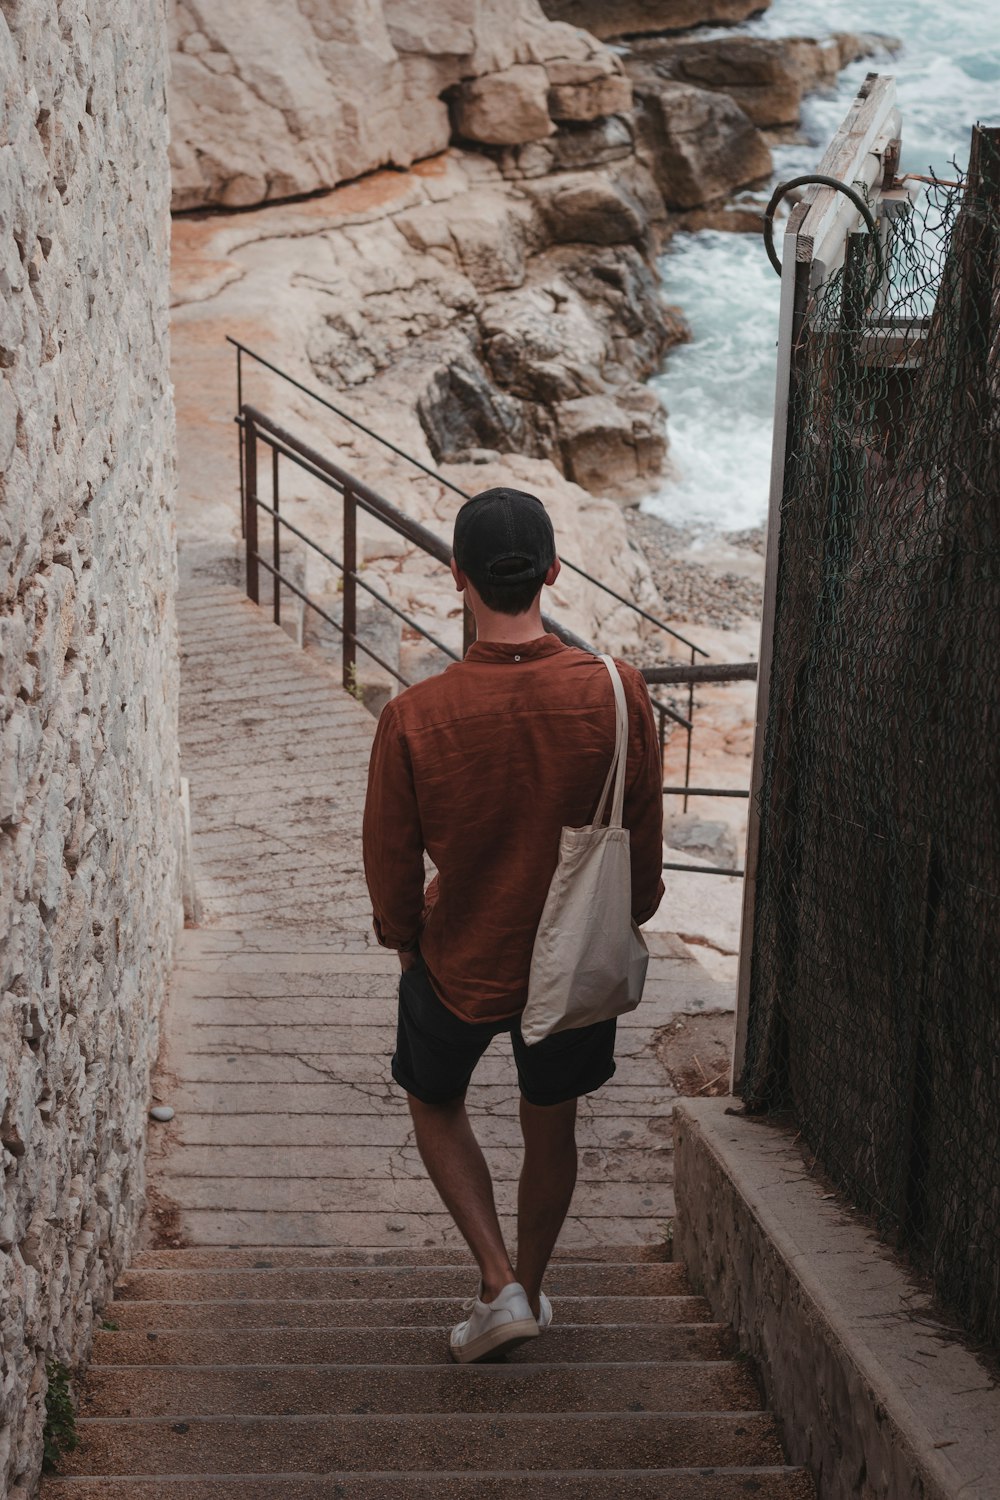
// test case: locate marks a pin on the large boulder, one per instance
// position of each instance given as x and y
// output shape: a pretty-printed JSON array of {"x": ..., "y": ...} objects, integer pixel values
[
  {"x": 504, "y": 109},
  {"x": 543, "y": 343},
  {"x": 596, "y": 143},
  {"x": 699, "y": 145},
  {"x": 591, "y": 208},
  {"x": 632, "y": 17},
  {"x": 462, "y": 412},
  {"x": 767, "y": 77},
  {"x": 614, "y": 447},
  {"x": 588, "y": 89},
  {"x": 764, "y": 78}
]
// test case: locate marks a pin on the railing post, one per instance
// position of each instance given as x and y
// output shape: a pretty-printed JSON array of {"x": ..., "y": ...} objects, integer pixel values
[
  {"x": 239, "y": 408},
  {"x": 250, "y": 532},
  {"x": 275, "y": 538},
  {"x": 350, "y": 621},
  {"x": 690, "y": 732}
]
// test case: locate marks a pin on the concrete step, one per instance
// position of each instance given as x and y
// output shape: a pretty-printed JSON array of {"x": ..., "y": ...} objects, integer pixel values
[
  {"x": 390, "y": 1312},
  {"x": 360, "y": 1443},
  {"x": 283, "y": 1132},
  {"x": 304, "y": 1283},
  {"x": 637, "y": 1164},
  {"x": 407, "y": 1346},
  {"x": 208, "y": 1257},
  {"x": 755, "y": 1483},
  {"x": 272, "y": 1390},
  {"x": 223, "y": 1227}
]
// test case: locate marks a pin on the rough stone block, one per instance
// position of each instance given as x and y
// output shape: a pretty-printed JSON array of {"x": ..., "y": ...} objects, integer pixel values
[
  {"x": 606, "y": 18},
  {"x": 700, "y": 145},
  {"x": 592, "y": 209},
  {"x": 611, "y": 448},
  {"x": 703, "y": 837},
  {"x": 588, "y": 90},
  {"x": 505, "y": 109}
]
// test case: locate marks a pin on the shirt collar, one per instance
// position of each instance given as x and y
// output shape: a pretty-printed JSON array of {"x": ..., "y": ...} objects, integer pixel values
[{"x": 511, "y": 651}]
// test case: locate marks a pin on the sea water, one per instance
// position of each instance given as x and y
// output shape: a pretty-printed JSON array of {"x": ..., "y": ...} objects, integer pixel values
[{"x": 719, "y": 389}]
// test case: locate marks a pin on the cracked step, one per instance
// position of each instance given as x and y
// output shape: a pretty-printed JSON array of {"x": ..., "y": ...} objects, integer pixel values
[{"x": 649, "y": 1163}]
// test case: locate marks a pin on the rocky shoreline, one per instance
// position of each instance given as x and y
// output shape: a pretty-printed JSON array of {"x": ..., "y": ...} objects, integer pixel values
[{"x": 492, "y": 302}]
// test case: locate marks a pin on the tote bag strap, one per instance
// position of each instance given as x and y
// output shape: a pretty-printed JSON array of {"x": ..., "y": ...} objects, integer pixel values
[{"x": 616, "y": 771}]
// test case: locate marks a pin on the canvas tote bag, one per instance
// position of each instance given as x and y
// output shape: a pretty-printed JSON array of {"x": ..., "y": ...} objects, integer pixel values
[{"x": 589, "y": 960}]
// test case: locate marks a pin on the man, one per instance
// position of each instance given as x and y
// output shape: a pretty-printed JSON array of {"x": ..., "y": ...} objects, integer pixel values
[{"x": 481, "y": 767}]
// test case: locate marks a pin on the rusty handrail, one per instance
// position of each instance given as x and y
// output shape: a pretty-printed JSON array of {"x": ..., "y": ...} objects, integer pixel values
[
  {"x": 434, "y": 474},
  {"x": 324, "y": 469},
  {"x": 255, "y": 426},
  {"x": 740, "y": 671}
]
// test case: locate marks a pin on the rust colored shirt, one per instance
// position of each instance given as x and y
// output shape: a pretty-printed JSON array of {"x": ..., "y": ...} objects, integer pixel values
[{"x": 482, "y": 767}]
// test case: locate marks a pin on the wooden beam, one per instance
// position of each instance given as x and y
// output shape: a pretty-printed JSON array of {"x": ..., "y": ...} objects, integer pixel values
[{"x": 857, "y": 156}]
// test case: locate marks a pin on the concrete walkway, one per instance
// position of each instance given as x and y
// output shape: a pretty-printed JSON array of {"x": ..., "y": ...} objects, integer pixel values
[{"x": 280, "y": 1026}]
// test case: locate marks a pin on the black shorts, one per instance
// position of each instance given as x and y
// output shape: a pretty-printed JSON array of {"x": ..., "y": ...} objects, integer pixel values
[{"x": 437, "y": 1052}]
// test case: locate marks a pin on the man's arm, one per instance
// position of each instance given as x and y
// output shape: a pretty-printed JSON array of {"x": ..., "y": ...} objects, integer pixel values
[
  {"x": 393, "y": 844},
  {"x": 643, "y": 814}
]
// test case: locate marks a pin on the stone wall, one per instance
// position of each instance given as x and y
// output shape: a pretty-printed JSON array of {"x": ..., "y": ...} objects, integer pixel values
[{"x": 89, "y": 830}]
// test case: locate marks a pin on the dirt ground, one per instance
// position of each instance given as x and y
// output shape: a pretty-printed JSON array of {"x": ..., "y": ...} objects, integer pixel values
[{"x": 697, "y": 1053}]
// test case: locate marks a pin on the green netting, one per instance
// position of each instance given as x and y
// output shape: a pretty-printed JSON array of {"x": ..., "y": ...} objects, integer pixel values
[{"x": 875, "y": 979}]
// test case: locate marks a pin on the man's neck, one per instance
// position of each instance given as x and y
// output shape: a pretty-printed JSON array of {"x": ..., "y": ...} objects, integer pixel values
[{"x": 510, "y": 630}]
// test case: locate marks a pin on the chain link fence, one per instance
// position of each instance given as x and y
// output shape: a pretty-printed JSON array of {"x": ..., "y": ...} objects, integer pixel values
[{"x": 874, "y": 1011}]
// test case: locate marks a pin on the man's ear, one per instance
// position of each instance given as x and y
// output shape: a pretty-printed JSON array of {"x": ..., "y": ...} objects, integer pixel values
[
  {"x": 553, "y": 573},
  {"x": 458, "y": 576}
]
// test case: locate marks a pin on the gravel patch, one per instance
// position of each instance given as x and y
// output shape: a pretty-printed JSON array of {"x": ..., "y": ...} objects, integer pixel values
[{"x": 697, "y": 592}]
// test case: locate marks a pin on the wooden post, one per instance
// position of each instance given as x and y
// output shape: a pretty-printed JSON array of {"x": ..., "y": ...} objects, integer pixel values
[
  {"x": 250, "y": 475},
  {"x": 795, "y": 288},
  {"x": 862, "y": 152},
  {"x": 350, "y": 620}
]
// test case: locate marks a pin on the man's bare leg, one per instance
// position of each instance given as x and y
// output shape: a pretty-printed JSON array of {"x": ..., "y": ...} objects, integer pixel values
[
  {"x": 456, "y": 1166},
  {"x": 548, "y": 1177}
]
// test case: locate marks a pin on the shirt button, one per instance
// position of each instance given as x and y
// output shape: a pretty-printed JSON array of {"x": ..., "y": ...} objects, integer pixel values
[{"x": 517, "y": 658}]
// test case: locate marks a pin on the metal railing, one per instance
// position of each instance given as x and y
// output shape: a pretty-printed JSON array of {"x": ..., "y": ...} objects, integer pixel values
[
  {"x": 345, "y": 416},
  {"x": 259, "y": 430}
]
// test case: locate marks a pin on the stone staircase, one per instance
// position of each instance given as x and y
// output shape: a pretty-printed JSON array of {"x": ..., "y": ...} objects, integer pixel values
[
  {"x": 273, "y": 1375},
  {"x": 228, "y": 1369}
]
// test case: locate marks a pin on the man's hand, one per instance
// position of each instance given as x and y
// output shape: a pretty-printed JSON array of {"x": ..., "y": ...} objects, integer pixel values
[{"x": 408, "y": 958}]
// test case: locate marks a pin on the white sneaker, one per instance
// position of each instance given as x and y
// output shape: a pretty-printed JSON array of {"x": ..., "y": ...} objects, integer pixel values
[
  {"x": 493, "y": 1327},
  {"x": 544, "y": 1312}
]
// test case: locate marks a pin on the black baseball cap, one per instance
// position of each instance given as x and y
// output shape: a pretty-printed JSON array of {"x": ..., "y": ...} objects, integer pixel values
[{"x": 504, "y": 536}]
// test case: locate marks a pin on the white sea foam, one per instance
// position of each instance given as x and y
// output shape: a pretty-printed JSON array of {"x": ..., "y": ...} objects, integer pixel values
[{"x": 719, "y": 390}]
